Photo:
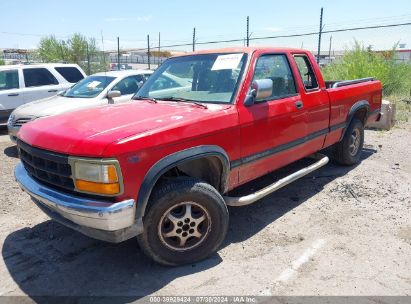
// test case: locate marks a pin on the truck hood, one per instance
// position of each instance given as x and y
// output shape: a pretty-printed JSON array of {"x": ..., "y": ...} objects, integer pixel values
[
  {"x": 88, "y": 132},
  {"x": 56, "y": 105}
]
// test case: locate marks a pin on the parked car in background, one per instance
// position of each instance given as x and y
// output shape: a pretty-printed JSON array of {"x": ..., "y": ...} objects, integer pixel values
[
  {"x": 114, "y": 67},
  {"x": 95, "y": 90},
  {"x": 20, "y": 84}
]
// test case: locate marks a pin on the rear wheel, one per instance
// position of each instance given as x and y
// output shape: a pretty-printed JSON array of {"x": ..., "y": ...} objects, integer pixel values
[
  {"x": 186, "y": 221},
  {"x": 348, "y": 150}
]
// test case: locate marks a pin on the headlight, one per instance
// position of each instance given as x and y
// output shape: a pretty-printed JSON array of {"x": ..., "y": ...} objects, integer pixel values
[
  {"x": 11, "y": 119},
  {"x": 97, "y": 177}
]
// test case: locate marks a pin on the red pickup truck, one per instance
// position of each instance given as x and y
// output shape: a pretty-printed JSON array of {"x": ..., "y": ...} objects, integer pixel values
[{"x": 161, "y": 167}]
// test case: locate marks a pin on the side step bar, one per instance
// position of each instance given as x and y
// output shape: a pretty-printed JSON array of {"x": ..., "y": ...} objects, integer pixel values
[{"x": 253, "y": 197}]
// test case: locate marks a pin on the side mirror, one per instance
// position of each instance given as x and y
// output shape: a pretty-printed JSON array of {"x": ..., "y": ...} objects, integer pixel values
[
  {"x": 113, "y": 94},
  {"x": 260, "y": 89}
]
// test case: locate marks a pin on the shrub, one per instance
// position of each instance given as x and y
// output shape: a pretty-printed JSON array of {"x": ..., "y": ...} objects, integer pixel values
[{"x": 360, "y": 62}]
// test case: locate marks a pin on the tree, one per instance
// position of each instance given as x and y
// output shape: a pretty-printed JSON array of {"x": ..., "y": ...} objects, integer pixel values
[
  {"x": 52, "y": 50},
  {"x": 2, "y": 62},
  {"x": 72, "y": 50}
]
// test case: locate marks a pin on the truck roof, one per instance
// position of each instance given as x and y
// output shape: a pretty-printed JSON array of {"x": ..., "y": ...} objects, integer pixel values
[
  {"x": 39, "y": 65},
  {"x": 247, "y": 50},
  {"x": 123, "y": 73}
]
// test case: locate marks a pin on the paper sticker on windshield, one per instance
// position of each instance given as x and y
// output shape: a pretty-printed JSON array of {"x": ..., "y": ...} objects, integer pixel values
[
  {"x": 227, "y": 62},
  {"x": 93, "y": 84}
]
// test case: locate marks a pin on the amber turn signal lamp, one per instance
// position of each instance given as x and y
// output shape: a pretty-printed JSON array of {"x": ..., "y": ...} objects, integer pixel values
[{"x": 98, "y": 188}]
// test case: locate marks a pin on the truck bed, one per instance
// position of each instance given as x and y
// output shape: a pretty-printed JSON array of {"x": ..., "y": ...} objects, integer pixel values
[{"x": 343, "y": 94}]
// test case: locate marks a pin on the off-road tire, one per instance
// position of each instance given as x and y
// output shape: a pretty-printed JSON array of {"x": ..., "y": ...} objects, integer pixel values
[
  {"x": 177, "y": 192},
  {"x": 343, "y": 150}
]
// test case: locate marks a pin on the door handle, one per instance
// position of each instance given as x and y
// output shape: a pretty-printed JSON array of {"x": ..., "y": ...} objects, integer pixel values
[
  {"x": 13, "y": 94},
  {"x": 299, "y": 104},
  {"x": 52, "y": 91}
]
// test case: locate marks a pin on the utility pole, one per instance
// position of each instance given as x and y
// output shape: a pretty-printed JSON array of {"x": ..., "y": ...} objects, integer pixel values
[
  {"x": 248, "y": 31},
  {"x": 329, "y": 50},
  {"x": 319, "y": 36},
  {"x": 118, "y": 53},
  {"x": 194, "y": 39},
  {"x": 158, "y": 63},
  {"x": 88, "y": 60},
  {"x": 148, "y": 48}
]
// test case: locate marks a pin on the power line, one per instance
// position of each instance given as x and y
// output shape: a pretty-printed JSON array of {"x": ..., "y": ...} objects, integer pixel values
[
  {"x": 301, "y": 27},
  {"x": 28, "y": 34},
  {"x": 262, "y": 37},
  {"x": 333, "y": 31},
  {"x": 287, "y": 36},
  {"x": 347, "y": 23}
]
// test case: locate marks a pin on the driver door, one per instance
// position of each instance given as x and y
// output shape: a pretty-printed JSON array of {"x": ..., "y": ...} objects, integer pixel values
[{"x": 272, "y": 130}]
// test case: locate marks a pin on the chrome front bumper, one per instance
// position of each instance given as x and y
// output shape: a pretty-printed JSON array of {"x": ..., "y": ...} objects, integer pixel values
[
  {"x": 13, "y": 132},
  {"x": 105, "y": 220}
]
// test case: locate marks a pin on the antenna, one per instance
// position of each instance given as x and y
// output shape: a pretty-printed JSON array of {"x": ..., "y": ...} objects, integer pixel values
[{"x": 319, "y": 36}]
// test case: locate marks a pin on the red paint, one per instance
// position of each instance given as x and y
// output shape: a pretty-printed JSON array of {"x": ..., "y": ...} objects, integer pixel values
[{"x": 153, "y": 131}]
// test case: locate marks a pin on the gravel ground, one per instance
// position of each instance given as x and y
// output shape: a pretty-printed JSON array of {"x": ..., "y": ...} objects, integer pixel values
[{"x": 339, "y": 231}]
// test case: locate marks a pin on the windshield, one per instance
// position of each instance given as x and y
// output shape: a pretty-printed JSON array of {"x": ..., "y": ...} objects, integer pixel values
[
  {"x": 89, "y": 87},
  {"x": 209, "y": 78}
]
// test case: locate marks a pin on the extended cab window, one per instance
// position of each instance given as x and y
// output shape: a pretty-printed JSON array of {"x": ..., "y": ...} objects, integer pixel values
[
  {"x": 306, "y": 72},
  {"x": 36, "y": 77},
  {"x": 276, "y": 68},
  {"x": 9, "y": 80},
  {"x": 71, "y": 74}
]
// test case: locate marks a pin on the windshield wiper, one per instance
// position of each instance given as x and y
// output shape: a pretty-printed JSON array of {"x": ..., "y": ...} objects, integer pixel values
[
  {"x": 153, "y": 100},
  {"x": 178, "y": 99}
]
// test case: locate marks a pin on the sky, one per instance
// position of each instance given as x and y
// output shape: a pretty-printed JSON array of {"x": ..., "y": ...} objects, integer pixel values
[{"x": 24, "y": 22}]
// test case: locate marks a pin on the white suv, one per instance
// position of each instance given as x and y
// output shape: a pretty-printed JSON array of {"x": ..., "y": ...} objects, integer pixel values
[
  {"x": 93, "y": 91},
  {"x": 20, "y": 84}
]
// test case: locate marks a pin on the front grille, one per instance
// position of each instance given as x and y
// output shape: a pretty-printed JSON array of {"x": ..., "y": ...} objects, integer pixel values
[
  {"x": 21, "y": 121},
  {"x": 47, "y": 167}
]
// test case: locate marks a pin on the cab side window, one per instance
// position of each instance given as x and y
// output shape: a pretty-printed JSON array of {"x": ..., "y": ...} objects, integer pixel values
[
  {"x": 306, "y": 72},
  {"x": 36, "y": 77},
  {"x": 71, "y": 74},
  {"x": 9, "y": 80},
  {"x": 128, "y": 85},
  {"x": 276, "y": 68}
]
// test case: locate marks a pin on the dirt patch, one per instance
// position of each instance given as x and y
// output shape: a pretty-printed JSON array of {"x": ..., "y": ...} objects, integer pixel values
[
  {"x": 363, "y": 213},
  {"x": 405, "y": 234}
]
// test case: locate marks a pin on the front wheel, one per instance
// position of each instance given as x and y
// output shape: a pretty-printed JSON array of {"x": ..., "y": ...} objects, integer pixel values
[
  {"x": 348, "y": 151},
  {"x": 186, "y": 221}
]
